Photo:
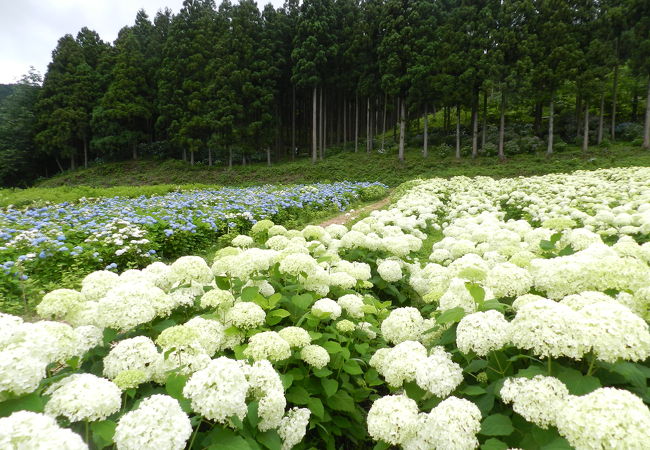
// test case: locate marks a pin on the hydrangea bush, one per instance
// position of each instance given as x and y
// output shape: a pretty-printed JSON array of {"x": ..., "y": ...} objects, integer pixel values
[
  {"x": 472, "y": 312},
  {"x": 42, "y": 244}
]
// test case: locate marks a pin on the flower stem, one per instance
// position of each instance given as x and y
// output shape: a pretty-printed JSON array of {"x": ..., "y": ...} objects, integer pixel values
[
  {"x": 591, "y": 366},
  {"x": 196, "y": 431},
  {"x": 87, "y": 433}
]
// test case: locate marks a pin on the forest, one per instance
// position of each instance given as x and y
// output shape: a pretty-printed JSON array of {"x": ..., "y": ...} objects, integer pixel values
[{"x": 233, "y": 84}]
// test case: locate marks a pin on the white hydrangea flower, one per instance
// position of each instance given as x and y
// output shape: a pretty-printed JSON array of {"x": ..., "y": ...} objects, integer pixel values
[
  {"x": 297, "y": 337},
  {"x": 128, "y": 305},
  {"x": 138, "y": 353},
  {"x": 605, "y": 418},
  {"x": 508, "y": 280},
  {"x": 403, "y": 324},
  {"x": 293, "y": 427},
  {"x": 549, "y": 329},
  {"x": 438, "y": 374},
  {"x": 345, "y": 326},
  {"x": 315, "y": 355},
  {"x": 278, "y": 242},
  {"x": 457, "y": 295},
  {"x": 88, "y": 337},
  {"x": 216, "y": 298},
  {"x": 538, "y": 400},
  {"x": 482, "y": 332},
  {"x": 295, "y": 263},
  {"x": 157, "y": 423},
  {"x": 393, "y": 419},
  {"x": 266, "y": 386},
  {"x": 59, "y": 303},
  {"x": 243, "y": 241},
  {"x": 342, "y": 280},
  {"x": 452, "y": 425},
  {"x": 97, "y": 284},
  {"x": 30, "y": 430},
  {"x": 210, "y": 333},
  {"x": 524, "y": 300},
  {"x": 326, "y": 308},
  {"x": 614, "y": 332},
  {"x": 245, "y": 315},
  {"x": 390, "y": 270},
  {"x": 352, "y": 304},
  {"x": 399, "y": 364},
  {"x": 21, "y": 370},
  {"x": 366, "y": 328},
  {"x": 267, "y": 345},
  {"x": 218, "y": 391},
  {"x": 83, "y": 396},
  {"x": 9, "y": 326},
  {"x": 159, "y": 274},
  {"x": 190, "y": 268}
]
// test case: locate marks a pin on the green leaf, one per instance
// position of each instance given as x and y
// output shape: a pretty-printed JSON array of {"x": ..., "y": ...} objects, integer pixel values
[
  {"x": 174, "y": 387},
  {"x": 531, "y": 371},
  {"x": 321, "y": 373},
  {"x": 302, "y": 301},
  {"x": 329, "y": 386},
  {"x": 558, "y": 443},
  {"x": 287, "y": 380},
  {"x": 274, "y": 317},
  {"x": 162, "y": 326},
  {"x": 316, "y": 407},
  {"x": 576, "y": 383},
  {"x": 473, "y": 390},
  {"x": 475, "y": 366},
  {"x": 252, "y": 416},
  {"x": 30, "y": 402},
  {"x": 270, "y": 439},
  {"x": 108, "y": 336},
  {"x": 492, "y": 304},
  {"x": 352, "y": 367},
  {"x": 332, "y": 347},
  {"x": 629, "y": 371},
  {"x": 249, "y": 293},
  {"x": 274, "y": 300},
  {"x": 298, "y": 395},
  {"x": 223, "y": 438},
  {"x": 414, "y": 391},
  {"x": 556, "y": 237},
  {"x": 494, "y": 444},
  {"x": 372, "y": 377},
  {"x": 362, "y": 348},
  {"x": 477, "y": 292},
  {"x": 103, "y": 433},
  {"x": 546, "y": 245},
  {"x": 223, "y": 283},
  {"x": 341, "y": 401},
  {"x": 451, "y": 315},
  {"x": 231, "y": 331},
  {"x": 496, "y": 425}
]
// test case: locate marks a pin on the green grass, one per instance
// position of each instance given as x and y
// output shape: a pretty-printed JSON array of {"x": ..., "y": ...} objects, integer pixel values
[{"x": 338, "y": 167}]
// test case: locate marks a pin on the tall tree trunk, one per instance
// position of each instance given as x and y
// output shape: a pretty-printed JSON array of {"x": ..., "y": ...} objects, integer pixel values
[
  {"x": 345, "y": 122},
  {"x": 585, "y": 136},
  {"x": 484, "y": 126},
  {"x": 72, "y": 162},
  {"x": 134, "y": 150},
  {"x": 210, "y": 156},
  {"x": 402, "y": 129},
  {"x": 356, "y": 122},
  {"x": 578, "y": 115},
  {"x": 538, "y": 118},
  {"x": 368, "y": 127},
  {"x": 425, "y": 144},
  {"x": 646, "y": 130},
  {"x": 243, "y": 159},
  {"x": 321, "y": 122},
  {"x": 457, "y": 131},
  {"x": 293, "y": 123},
  {"x": 230, "y": 157},
  {"x": 184, "y": 155},
  {"x": 268, "y": 156},
  {"x": 383, "y": 128},
  {"x": 323, "y": 109},
  {"x": 502, "y": 126},
  {"x": 314, "y": 142},
  {"x": 191, "y": 157},
  {"x": 601, "y": 120},
  {"x": 58, "y": 163},
  {"x": 475, "y": 126},
  {"x": 549, "y": 148},
  {"x": 85, "y": 152},
  {"x": 614, "y": 94}
]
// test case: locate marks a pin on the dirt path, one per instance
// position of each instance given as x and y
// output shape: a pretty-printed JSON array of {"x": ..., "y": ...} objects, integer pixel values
[{"x": 342, "y": 219}]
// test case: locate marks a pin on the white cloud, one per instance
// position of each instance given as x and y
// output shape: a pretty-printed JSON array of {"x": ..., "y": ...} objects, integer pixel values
[{"x": 30, "y": 29}]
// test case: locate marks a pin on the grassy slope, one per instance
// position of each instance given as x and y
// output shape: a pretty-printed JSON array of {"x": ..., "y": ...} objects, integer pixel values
[{"x": 348, "y": 166}]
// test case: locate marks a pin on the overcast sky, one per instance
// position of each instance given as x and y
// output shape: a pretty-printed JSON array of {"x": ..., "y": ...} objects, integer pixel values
[{"x": 30, "y": 29}]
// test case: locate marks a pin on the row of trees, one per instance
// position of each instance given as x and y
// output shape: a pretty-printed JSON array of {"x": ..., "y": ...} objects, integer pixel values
[{"x": 213, "y": 81}]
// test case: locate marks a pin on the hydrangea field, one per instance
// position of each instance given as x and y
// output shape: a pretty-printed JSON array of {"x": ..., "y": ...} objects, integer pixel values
[
  {"x": 118, "y": 233},
  {"x": 503, "y": 314}
]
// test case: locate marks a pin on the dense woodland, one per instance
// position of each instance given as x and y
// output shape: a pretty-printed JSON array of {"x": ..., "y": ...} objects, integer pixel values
[{"x": 216, "y": 84}]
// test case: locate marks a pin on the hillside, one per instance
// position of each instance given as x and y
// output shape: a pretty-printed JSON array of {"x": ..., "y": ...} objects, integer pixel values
[{"x": 347, "y": 166}]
